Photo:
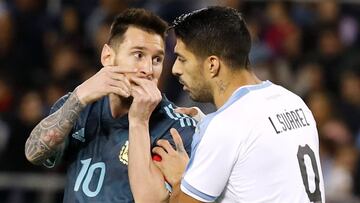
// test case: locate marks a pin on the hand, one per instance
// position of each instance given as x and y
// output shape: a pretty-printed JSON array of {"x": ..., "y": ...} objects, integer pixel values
[
  {"x": 146, "y": 97},
  {"x": 173, "y": 162},
  {"x": 194, "y": 112},
  {"x": 110, "y": 79}
]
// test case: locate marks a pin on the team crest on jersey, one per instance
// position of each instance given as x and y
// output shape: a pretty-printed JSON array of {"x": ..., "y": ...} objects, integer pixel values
[{"x": 124, "y": 153}]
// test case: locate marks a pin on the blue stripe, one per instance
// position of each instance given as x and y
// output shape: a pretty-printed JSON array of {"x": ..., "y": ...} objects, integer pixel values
[
  {"x": 202, "y": 126},
  {"x": 242, "y": 91},
  {"x": 197, "y": 192}
]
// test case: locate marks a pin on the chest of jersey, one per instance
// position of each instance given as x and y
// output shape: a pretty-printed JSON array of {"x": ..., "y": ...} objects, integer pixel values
[{"x": 98, "y": 172}]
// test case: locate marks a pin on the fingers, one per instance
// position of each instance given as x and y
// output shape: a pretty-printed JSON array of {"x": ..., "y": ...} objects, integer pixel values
[
  {"x": 120, "y": 77},
  {"x": 177, "y": 139},
  {"x": 119, "y": 91},
  {"x": 188, "y": 111},
  {"x": 148, "y": 87},
  {"x": 160, "y": 151},
  {"x": 118, "y": 69},
  {"x": 165, "y": 145},
  {"x": 194, "y": 112}
]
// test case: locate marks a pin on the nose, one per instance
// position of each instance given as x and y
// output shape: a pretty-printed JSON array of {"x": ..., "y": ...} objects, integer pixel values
[
  {"x": 176, "y": 71},
  {"x": 146, "y": 70}
]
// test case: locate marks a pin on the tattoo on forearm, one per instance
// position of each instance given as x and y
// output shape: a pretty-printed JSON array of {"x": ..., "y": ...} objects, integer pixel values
[{"x": 50, "y": 133}]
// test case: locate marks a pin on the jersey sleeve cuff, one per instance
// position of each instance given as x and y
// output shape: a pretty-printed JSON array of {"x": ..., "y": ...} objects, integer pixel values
[{"x": 193, "y": 192}]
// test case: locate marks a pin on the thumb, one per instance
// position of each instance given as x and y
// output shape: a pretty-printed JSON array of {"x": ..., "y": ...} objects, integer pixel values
[
  {"x": 188, "y": 111},
  {"x": 194, "y": 112},
  {"x": 177, "y": 139}
]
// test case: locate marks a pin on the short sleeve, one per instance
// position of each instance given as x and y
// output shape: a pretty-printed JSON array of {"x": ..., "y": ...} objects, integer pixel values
[{"x": 214, "y": 153}]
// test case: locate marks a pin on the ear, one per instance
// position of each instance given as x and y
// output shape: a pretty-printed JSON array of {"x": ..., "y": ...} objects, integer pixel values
[
  {"x": 213, "y": 64},
  {"x": 107, "y": 56}
]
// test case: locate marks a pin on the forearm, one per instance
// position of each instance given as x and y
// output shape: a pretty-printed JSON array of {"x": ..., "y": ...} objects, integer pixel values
[
  {"x": 178, "y": 196},
  {"x": 49, "y": 135},
  {"x": 146, "y": 181},
  {"x": 174, "y": 198}
]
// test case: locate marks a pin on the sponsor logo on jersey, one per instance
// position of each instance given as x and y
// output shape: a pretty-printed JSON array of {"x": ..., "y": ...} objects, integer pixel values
[
  {"x": 79, "y": 135},
  {"x": 124, "y": 153}
]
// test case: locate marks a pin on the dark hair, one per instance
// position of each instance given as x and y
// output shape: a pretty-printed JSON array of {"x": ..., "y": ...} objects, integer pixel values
[
  {"x": 139, "y": 18},
  {"x": 219, "y": 31}
]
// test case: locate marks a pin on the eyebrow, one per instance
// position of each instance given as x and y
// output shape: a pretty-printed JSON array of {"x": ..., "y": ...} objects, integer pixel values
[
  {"x": 177, "y": 54},
  {"x": 159, "y": 52}
]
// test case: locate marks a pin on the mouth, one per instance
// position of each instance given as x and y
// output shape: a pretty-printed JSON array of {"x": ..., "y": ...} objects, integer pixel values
[{"x": 184, "y": 85}]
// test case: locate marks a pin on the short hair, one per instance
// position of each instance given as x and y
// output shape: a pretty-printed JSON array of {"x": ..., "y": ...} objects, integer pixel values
[
  {"x": 215, "y": 30},
  {"x": 139, "y": 18}
]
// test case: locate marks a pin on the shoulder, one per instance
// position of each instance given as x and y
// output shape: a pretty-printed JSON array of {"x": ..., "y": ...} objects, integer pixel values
[{"x": 166, "y": 110}]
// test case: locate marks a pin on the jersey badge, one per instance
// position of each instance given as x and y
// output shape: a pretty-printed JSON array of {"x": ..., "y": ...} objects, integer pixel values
[{"x": 123, "y": 156}]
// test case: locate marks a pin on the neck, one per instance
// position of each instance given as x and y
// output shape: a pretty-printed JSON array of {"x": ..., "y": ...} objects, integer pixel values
[
  {"x": 119, "y": 106},
  {"x": 224, "y": 87}
]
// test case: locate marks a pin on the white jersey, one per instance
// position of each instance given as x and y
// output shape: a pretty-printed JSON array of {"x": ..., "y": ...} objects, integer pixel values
[{"x": 260, "y": 146}]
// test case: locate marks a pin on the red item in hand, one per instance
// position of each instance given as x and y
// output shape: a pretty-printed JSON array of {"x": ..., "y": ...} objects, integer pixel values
[{"x": 156, "y": 157}]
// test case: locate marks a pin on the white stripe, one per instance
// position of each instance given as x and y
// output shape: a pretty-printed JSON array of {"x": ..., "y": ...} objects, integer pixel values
[
  {"x": 179, "y": 116},
  {"x": 182, "y": 122},
  {"x": 168, "y": 111},
  {"x": 194, "y": 122},
  {"x": 188, "y": 121}
]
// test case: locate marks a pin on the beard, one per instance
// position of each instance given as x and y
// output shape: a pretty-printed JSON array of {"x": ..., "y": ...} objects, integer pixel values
[
  {"x": 123, "y": 101},
  {"x": 201, "y": 93}
]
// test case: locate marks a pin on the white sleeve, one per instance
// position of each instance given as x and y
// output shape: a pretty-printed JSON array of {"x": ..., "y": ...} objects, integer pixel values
[{"x": 213, "y": 155}]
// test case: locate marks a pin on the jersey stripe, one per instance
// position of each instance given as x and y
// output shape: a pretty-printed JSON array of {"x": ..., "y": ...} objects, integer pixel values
[{"x": 184, "y": 119}]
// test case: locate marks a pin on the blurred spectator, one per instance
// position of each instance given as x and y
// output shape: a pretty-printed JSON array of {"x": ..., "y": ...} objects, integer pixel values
[
  {"x": 6, "y": 40},
  {"x": 349, "y": 104},
  {"x": 6, "y": 96},
  {"x": 281, "y": 29},
  {"x": 311, "y": 47},
  {"x": 328, "y": 12},
  {"x": 309, "y": 78},
  {"x": 106, "y": 9},
  {"x": 4, "y": 136},
  {"x": 30, "y": 112}
]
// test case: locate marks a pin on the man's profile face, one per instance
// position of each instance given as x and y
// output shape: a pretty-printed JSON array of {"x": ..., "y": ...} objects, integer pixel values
[
  {"x": 190, "y": 71},
  {"x": 142, "y": 52}
]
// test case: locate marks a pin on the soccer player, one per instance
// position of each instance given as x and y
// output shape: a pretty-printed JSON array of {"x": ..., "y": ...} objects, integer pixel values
[
  {"x": 261, "y": 145},
  {"x": 94, "y": 125}
]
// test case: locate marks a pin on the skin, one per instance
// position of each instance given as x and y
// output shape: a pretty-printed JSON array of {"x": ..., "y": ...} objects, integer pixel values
[
  {"x": 206, "y": 79},
  {"x": 129, "y": 77},
  {"x": 187, "y": 68}
]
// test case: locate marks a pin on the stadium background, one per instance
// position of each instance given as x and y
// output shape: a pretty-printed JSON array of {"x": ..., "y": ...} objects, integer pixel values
[{"x": 48, "y": 47}]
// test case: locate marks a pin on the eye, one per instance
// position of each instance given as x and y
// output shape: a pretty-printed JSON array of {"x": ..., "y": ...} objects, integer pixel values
[
  {"x": 182, "y": 60},
  {"x": 138, "y": 55},
  {"x": 157, "y": 60}
]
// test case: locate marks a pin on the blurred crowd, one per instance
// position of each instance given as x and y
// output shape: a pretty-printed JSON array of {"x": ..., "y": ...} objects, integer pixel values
[{"x": 48, "y": 47}]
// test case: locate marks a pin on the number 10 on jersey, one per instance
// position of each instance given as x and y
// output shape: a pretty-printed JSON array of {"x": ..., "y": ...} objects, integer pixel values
[{"x": 86, "y": 174}]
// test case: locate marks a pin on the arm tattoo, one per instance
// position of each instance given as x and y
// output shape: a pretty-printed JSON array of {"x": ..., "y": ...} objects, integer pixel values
[{"x": 47, "y": 137}]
